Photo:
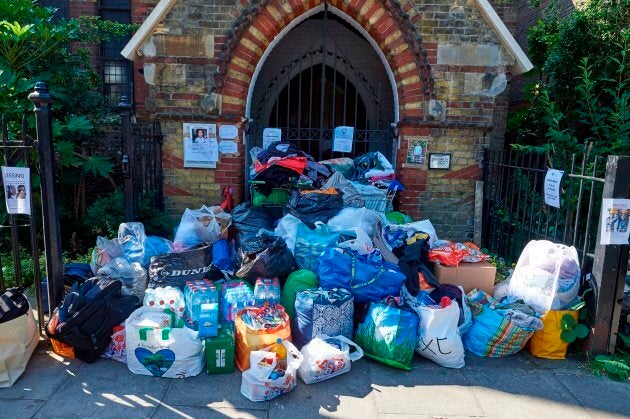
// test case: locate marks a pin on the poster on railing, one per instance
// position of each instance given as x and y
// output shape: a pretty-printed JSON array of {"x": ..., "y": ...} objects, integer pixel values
[
  {"x": 615, "y": 218},
  {"x": 17, "y": 189},
  {"x": 201, "y": 149},
  {"x": 553, "y": 180},
  {"x": 270, "y": 136},
  {"x": 343, "y": 138}
]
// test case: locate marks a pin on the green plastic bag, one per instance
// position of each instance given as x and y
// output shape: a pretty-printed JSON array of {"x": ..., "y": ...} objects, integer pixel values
[
  {"x": 297, "y": 281},
  {"x": 388, "y": 334},
  {"x": 398, "y": 218}
]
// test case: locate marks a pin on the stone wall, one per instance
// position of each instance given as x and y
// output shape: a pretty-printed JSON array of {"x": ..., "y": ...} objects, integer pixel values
[{"x": 448, "y": 64}]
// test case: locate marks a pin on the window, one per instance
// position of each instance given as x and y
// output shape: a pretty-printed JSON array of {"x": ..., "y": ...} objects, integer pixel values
[{"x": 116, "y": 70}]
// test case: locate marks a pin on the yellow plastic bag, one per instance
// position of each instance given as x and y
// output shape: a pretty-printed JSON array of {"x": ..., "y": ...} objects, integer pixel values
[{"x": 546, "y": 343}]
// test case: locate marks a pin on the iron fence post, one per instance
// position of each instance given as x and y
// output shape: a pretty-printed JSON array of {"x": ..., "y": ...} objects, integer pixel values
[
  {"x": 50, "y": 208},
  {"x": 124, "y": 108},
  {"x": 610, "y": 266}
]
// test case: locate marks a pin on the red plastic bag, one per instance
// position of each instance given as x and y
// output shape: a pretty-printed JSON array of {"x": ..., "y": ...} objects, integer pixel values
[
  {"x": 447, "y": 255},
  {"x": 472, "y": 253}
]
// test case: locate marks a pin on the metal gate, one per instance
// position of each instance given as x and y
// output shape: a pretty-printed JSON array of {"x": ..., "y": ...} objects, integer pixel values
[
  {"x": 141, "y": 161},
  {"x": 318, "y": 91}
]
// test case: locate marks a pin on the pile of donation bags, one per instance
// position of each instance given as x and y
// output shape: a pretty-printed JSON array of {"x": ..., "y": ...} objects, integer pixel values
[{"x": 298, "y": 289}]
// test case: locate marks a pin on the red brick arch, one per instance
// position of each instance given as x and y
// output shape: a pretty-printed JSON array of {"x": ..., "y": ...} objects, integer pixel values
[{"x": 388, "y": 22}]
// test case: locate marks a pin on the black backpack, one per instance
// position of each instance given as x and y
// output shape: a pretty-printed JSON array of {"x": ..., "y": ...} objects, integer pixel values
[
  {"x": 13, "y": 304},
  {"x": 88, "y": 314}
]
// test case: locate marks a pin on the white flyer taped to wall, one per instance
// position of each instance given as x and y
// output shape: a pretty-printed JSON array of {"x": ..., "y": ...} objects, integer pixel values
[
  {"x": 553, "y": 180},
  {"x": 228, "y": 132},
  {"x": 343, "y": 138},
  {"x": 201, "y": 149},
  {"x": 271, "y": 135},
  {"x": 228, "y": 147},
  {"x": 17, "y": 189},
  {"x": 614, "y": 222}
]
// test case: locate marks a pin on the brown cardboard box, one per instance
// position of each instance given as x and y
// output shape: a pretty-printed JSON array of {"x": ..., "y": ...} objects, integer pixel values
[{"x": 478, "y": 275}]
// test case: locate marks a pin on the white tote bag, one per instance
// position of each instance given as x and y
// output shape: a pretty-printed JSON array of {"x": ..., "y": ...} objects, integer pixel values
[
  {"x": 438, "y": 335},
  {"x": 18, "y": 340},
  {"x": 158, "y": 345},
  {"x": 327, "y": 357},
  {"x": 256, "y": 384}
]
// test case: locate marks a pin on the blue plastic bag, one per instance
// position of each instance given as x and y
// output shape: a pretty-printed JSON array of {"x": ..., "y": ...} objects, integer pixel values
[
  {"x": 367, "y": 281},
  {"x": 389, "y": 335},
  {"x": 310, "y": 244},
  {"x": 222, "y": 256},
  {"x": 155, "y": 246}
]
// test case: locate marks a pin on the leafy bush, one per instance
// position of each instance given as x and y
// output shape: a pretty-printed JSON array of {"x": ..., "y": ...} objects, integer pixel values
[
  {"x": 581, "y": 100},
  {"x": 106, "y": 213}
]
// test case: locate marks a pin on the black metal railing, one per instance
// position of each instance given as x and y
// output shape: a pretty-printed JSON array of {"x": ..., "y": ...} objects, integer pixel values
[
  {"x": 20, "y": 234},
  {"x": 514, "y": 210}
]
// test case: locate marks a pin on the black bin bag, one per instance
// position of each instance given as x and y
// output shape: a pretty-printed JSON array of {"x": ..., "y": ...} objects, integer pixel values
[
  {"x": 266, "y": 256},
  {"x": 249, "y": 220},
  {"x": 311, "y": 207}
]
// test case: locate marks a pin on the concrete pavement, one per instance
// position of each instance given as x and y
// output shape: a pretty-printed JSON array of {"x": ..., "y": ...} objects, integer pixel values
[{"x": 519, "y": 386}]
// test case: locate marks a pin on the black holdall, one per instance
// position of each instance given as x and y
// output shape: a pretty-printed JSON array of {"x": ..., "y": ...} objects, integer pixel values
[
  {"x": 88, "y": 315},
  {"x": 13, "y": 304}
]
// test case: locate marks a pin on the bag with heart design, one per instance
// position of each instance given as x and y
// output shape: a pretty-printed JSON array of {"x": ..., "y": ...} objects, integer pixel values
[
  {"x": 327, "y": 357},
  {"x": 158, "y": 344}
]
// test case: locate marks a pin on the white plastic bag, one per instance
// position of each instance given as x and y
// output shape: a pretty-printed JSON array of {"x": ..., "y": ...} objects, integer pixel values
[
  {"x": 159, "y": 345},
  {"x": 362, "y": 244},
  {"x": 547, "y": 276},
  {"x": 287, "y": 229},
  {"x": 423, "y": 226},
  {"x": 327, "y": 357},
  {"x": 204, "y": 225},
  {"x": 438, "y": 335},
  {"x": 348, "y": 220},
  {"x": 257, "y": 388}
]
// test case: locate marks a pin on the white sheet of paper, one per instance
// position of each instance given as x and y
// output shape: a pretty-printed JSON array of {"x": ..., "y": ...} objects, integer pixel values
[
  {"x": 228, "y": 132},
  {"x": 615, "y": 219},
  {"x": 271, "y": 135},
  {"x": 201, "y": 154},
  {"x": 343, "y": 138},
  {"x": 553, "y": 180},
  {"x": 17, "y": 189},
  {"x": 228, "y": 147}
]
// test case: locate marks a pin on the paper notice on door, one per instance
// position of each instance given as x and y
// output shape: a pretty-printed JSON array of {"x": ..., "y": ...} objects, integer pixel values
[
  {"x": 17, "y": 189},
  {"x": 553, "y": 180},
  {"x": 615, "y": 218},
  {"x": 343, "y": 139},
  {"x": 271, "y": 135}
]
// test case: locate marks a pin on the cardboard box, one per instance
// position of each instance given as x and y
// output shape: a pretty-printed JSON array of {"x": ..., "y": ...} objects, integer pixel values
[
  {"x": 478, "y": 275},
  {"x": 220, "y": 352}
]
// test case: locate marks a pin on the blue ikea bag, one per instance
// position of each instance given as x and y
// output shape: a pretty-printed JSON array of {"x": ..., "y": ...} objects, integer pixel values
[
  {"x": 367, "y": 280},
  {"x": 310, "y": 244}
]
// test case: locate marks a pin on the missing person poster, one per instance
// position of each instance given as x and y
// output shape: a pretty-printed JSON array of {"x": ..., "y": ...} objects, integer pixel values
[
  {"x": 553, "y": 181},
  {"x": 615, "y": 218},
  {"x": 17, "y": 189},
  {"x": 201, "y": 149}
]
